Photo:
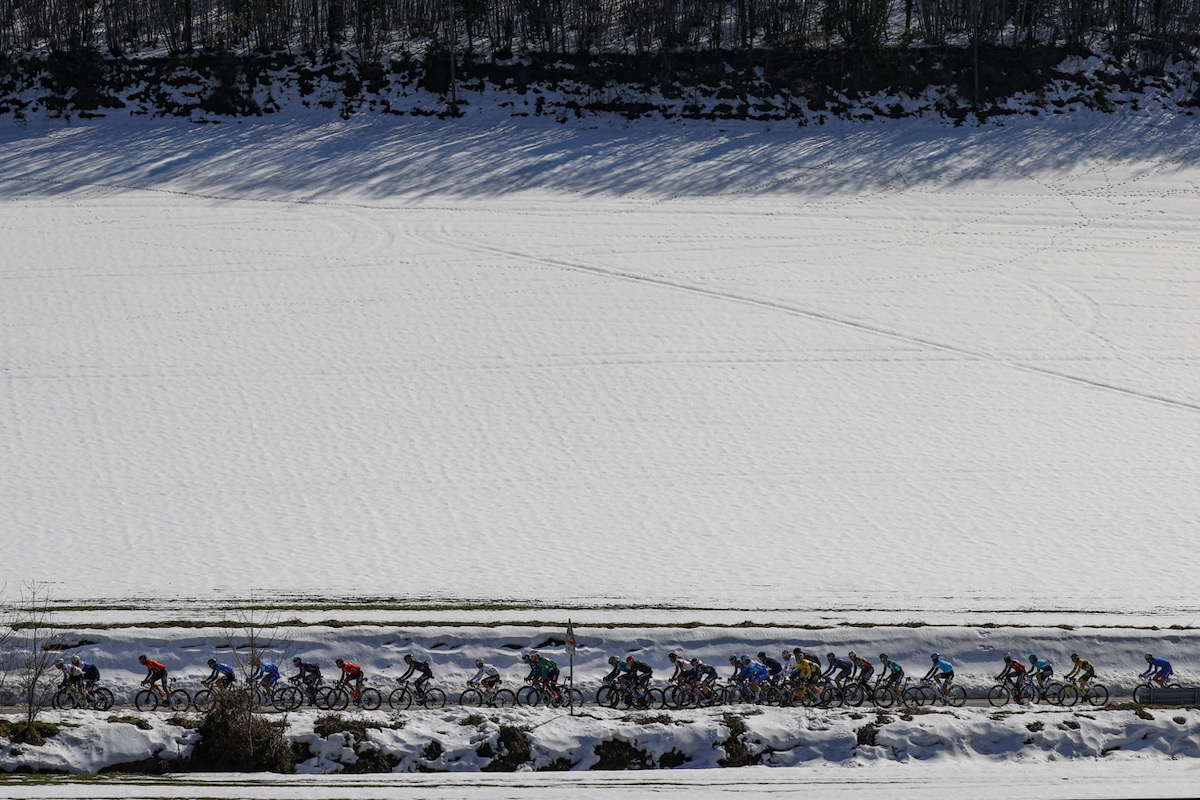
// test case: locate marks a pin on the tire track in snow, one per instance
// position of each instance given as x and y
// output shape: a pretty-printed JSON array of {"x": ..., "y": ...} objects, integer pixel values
[{"x": 832, "y": 319}]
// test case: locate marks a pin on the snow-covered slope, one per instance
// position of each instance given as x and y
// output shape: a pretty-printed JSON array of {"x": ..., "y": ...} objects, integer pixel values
[{"x": 895, "y": 367}]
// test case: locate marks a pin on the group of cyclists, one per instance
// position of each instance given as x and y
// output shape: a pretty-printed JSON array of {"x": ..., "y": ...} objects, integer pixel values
[
  {"x": 266, "y": 674},
  {"x": 795, "y": 668}
]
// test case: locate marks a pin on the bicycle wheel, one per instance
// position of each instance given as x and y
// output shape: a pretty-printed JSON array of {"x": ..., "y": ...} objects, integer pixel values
[
  {"x": 337, "y": 699},
  {"x": 471, "y": 698},
  {"x": 204, "y": 701},
  {"x": 400, "y": 699},
  {"x": 1069, "y": 696},
  {"x": 673, "y": 696},
  {"x": 956, "y": 696},
  {"x": 435, "y": 698},
  {"x": 606, "y": 697},
  {"x": 286, "y": 698},
  {"x": 64, "y": 698},
  {"x": 504, "y": 698},
  {"x": 884, "y": 697},
  {"x": 855, "y": 695},
  {"x": 102, "y": 698},
  {"x": 179, "y": 700},
  {"x": 832, "y": 697},
  {"x": 575, "y": 696},
  {"x": 913, "y": 697},
  {"x": 370, "y": 699},
  {"x": 145, "y": 700},
  {"x": 1054, "y": 690},
  {"x": 529, "y": 696},
  {"x": 998, "y": 695},
  {"x": 1097, "y": 694}
]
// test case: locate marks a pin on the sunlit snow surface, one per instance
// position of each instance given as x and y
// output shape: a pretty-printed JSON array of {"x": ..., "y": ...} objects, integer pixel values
[
  {"x": 951, "y": 780},
  {"x": 895, "y": 366}
]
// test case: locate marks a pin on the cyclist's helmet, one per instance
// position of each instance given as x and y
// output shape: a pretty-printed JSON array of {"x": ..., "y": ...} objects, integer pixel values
[
  {"x": 408, "y": 658},
  {"x": 852, "y": 655},
  {"x": 212, "y": 662},
  {"x": 785, "y": 654},
  {"x": 58, "y": 662},
  {"x": 1074, "y": 656},
  {"x": 935, "y": 657},
  {"x": 525, "y": 657},
  {"x": 696, "y": 662},
  {"x": 296, "y": 661},
  {"x": 883, "y": 657},
  {"x": 733, "y": 659},
  {"x": 479, "y": 663},
  {"x": 142, "y": 659},
  {"x": 535, "y": 656},
  {"x": 762, "y": 654},
  {"x": 671, "y": 656},
  {"x": 797, "y": 651},
  {"x": 74, "y": 659},
  {"x": 613, "y": 661},
  {"x": 339, "y": 662},
  {"x": 1032, "y": 658},
  {"x": 1149, "y": 657},
  {"x": 1008, "y": 656},
  {"x": 830, "y": 656},
  {"x": 629, "y": 659}
]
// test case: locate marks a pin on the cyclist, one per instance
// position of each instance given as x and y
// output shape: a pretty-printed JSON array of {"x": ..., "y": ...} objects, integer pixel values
[
  {"x": 1013, "y": 670},
  {"x": 1159, "y": 669},
  {"x": 1083, "y": 669},
  {"x": 773, "y": 666},
  {"x": 266, "y": 674},
  {"x": 415, "y": 666},
  {"x": 351, "y": 672},
  {"x": 754, "y": 673},
  {"x": 639, "y": 672},
  {"x": 72, "y": 679},
  {"x": 221, "y": 676},
  {"x": 547, "y": 670},
  {"x": 788, "y": 665},
  {"x": 685, "y": 670},
  {"x": 705, "y": 673},
  {"x": 91, "y": 673},
  {"x": 487, "y": 676},
  {"x": 944, "y": 672},
  {"x": 1041, "y": 668},
  {"x": 863, "y": 670},
  {"x": 892, "y": 673},
  {"x": 156, "y": 673},
  {"x": 527, "y": 658},
  {"x": 619, "y": 671},
  {"x": 842, "y": 666},
  {"x": 309, "y": 673},
  {"x": 804, "y": 676}
]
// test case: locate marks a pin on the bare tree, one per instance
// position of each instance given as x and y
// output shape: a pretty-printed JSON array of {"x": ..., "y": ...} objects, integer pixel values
[{"x": 36, "y": 645}]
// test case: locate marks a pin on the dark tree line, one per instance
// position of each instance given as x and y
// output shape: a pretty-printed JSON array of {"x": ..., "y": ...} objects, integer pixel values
[{"x": 1148, "y": 30}]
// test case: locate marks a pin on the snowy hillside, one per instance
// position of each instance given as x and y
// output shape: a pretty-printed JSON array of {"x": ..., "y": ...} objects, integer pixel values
[{"x": 895, "y": 369}]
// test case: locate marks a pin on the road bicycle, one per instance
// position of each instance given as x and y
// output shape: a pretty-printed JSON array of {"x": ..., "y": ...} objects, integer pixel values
[
  {"x": 928, "y": 693},
  {"x": 1141, "y": 693},
  {"x": 623, "y": 693},
  {"x": 1011, "y": 690},
  {"x": 405, "y": 696},
  {"x": 97, "y": 698},
  {"x": 484, "y": 695},
  {"x": 553, "y": 694},
  {"x": 691, "y": 695},
  {"x": 888, "y": 694},
  {"x": 343, "y": 694},
  {"x": 151, "y": 698},
  {"x": 296, "y": 693},
  {"x": 1072, "y": 694},
  {"x": 1050, "y": 693}
]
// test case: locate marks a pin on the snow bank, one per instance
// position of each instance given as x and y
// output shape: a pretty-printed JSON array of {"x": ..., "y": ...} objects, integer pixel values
[{"x": 456, "y": 740}]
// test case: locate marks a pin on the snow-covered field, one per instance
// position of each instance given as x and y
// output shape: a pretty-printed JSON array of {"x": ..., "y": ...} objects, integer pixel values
[
  {"x": 649, "y": 373},
  {"x": 897, "y": 367}
]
